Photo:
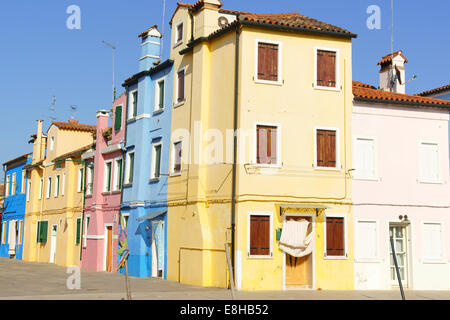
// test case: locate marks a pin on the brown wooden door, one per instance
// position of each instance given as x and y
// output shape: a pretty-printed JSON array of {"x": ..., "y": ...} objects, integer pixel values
[
  {"x": 109, "y": 250},
  {"x": 298, "y": 270}
]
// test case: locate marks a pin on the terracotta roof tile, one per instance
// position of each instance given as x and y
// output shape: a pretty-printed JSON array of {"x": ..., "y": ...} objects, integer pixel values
[
  {"x": 74, "y": 153},
  {"x": 75, "y": 126},
  {"x": 146, "y": 31},
  {"x": 388, "y": 58},
  {"x": 434, "y": 91},
  {"x": 23, "y": 157},
  {"x": 367, "y": 92}
]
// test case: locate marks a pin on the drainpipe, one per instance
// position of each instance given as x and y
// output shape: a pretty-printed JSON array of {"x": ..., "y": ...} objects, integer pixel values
[
  {"x": 83, "y": 183},
  {"x": 233, "y": 192}
]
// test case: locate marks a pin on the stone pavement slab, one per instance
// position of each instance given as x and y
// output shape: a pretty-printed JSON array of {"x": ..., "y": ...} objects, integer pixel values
[{"x": 21, "y": 280}]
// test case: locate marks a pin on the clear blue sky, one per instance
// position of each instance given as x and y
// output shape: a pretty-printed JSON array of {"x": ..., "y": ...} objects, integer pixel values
[{"x": 40, "y": 57}]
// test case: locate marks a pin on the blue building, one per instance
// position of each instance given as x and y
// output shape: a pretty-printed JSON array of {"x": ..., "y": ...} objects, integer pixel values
[
  {"x": 16, "y": 195},
  {"x": 144, "y": 199}
]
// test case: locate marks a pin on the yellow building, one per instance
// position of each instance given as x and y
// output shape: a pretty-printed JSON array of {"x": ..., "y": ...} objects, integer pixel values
[
  {"x": 53, "y": 218},
  {"x": 284, "y": 81}
]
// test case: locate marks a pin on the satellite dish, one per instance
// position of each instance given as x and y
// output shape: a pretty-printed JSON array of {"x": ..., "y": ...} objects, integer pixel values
[{"x": 223, "y": 21}]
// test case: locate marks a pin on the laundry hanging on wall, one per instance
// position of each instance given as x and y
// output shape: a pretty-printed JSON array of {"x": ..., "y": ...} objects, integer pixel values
[{"x": 295, "y": 239}]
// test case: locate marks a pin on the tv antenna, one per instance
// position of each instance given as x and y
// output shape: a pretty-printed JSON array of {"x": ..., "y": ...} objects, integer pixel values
[
  {"x": 53, "y": 109},
  {"x": 162, "y": 29},
  {"x": 74, "y": 110}
]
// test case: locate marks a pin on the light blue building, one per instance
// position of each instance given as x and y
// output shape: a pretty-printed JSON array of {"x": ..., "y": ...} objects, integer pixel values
[
  {"x": 144, "y": 198},
  {"x": 16, "y": 195},
  {"x": 438, "y": 93}
]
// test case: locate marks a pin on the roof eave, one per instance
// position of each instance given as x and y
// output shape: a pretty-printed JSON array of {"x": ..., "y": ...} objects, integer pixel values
[
  {"x": 409, "y": 103},
  {"x": 137, "y": 76}
]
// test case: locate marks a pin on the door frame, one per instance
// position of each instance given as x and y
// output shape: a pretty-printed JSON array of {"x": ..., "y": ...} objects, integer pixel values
[
  {"x": 56, "y": 242},
  {"x": 156, "y": 249},
  {"x": 408, "y": 259},
  {"x": 105, "y": 245},
  {"x": 313, "y": 221}
]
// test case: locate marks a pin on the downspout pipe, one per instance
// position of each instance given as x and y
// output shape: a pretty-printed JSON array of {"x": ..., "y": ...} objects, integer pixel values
[{"x": 235, "y": 126}]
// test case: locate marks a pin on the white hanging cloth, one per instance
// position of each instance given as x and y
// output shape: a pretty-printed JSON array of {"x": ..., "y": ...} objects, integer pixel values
[
  {"x": 12, "y": 237},
  {"x": 294, "y": 238}
]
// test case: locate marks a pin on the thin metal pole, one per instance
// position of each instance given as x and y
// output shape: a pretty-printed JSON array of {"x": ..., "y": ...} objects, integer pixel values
[
  {"x": 113, "y": 82},
  {"x": 230, "y": 271},
  {"x": 397, "y": 270},
  {"x": 127, "y": 283}
]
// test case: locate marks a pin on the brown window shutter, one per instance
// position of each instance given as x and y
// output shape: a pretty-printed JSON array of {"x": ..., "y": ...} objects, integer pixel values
[
  {"x": 267, "y": 61},
  {"x": 331, "y": 69},
  {"x": 259, "y": 235},
  {"x": 180, "y": 86},
  {"x": 321, "y": 142},
  {"x": 326, "y": 68},
  {"x": 321, "y": 67},
  {"x": 261, "y": 148},
  {"x": 331, "y": 149},
  {"x": 335, "y": 236},
  {"x": 272, "y": 145}
]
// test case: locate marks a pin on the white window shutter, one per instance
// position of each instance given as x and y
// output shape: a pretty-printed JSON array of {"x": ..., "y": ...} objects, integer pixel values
[{"x": 366, "y": 244}]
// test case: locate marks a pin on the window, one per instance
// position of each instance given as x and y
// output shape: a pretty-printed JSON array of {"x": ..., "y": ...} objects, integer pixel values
[
  {"x": 429, "y": 162},
  {"x": 326, "y": 68},
  {"x": 52, "y": 143},
  {"x": 180, "y": 86},
  {"x": 432, "y": 241},
  {"x": 107, "y": 180},
  {"x": 57, "y": 185},
  {"x": 41, "y": 188},
  {"x": 326, "y": 156},
  {"x": 89, "y": 180},
  {"x": 13, "y": 184},
  {"x": 267, "y": 151},
  {"x": 49, "y": 187},
  {"x": 63, "y": 184},
  {"x": 156, "y": 161},
  {"x": 176, "y": 157},
  {"x": 125, "y": 218},
  {"x": 23, "y": 184},
  {"x": 28, "y": 191},
  {"x": 366, "y": 246},
  {"x": 41, "y": 234},
  {"x": 159, "y": 94},
  {"x": 20, "y": 233},
  {"x": 118, "y": 118},
  {"x": 118, "y": 170},
  {"x": 259, "y": 235},
  {"x": 8, "y": 181},
  {"x": 268, "y": 62},
  {"x": 365, "y": 158},
  {"x": 179, "y": 34},
  {"x": 335, "y": 237},
  {"x": 80, "y": 179},
  {"x": 4, "y": 233},
  {"x": 130, "y": 168},
  {"x": 78, "y": 234},
  {"x": 133, "y": 103}
]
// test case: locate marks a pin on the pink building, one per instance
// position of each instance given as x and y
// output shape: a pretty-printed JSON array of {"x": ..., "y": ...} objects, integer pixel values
[
  {"x": 104, "y": 171},
  {"x": 400, "y": 184}
]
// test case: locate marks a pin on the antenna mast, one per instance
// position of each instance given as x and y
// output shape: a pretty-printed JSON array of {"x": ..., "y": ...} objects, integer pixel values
[
  {"x": 74, "y": 110},
  {"x": 392, "y": 48},
  {"x": 53, "y": 109},
  {"x": 162, "y": 29}
]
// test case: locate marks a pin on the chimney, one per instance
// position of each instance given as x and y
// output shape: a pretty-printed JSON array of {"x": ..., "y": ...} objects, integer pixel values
[
  {"x": 206, "y": 17},
  {"x": 102, "y": 125},
  {"x": 151, "y": 48},
  {"x": 39, "y": 146},
  {"x": 392, "y": 72}
]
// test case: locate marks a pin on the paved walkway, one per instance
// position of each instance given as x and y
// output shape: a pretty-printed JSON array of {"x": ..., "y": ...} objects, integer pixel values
[{"x": 32, "y": 281}]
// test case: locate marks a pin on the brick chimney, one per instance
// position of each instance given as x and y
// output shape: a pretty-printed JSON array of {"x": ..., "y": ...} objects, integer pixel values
[
  {"x": 206, "y": 15},
  {"x": 39, "y": 144},
  {"x": 392, "y": 72},
  {"x": 102, "y": 125},
  {"x": 151, "y": 48}
]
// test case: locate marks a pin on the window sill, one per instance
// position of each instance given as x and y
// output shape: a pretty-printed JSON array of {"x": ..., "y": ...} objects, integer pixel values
[
  {"x": 89, "y": 195},
  {"x": 268, "y": 257},
  {"x": 131, "y": 120},
  {"x": 367, "y": 179},
  {"x": 106, "y": 193},
  {"x": 159, "y": 111},
  {"x": 429, "y": 182},
  {"x": 327, "y": 168},
  {"x": 431, "y": 261},
  {"x": 152, "y": 180},
  {"x": 179, "y": 104},
  {"x": 276, "y": 83},
  {"x": 335, "y": 89},
  {"x": 128, "y": 185},
  {"x": 335, "y": 258},
  {"x": 178, "y": 174},
  {"x": 116, "y": 192},
  {"x": 178, "y": 43}
]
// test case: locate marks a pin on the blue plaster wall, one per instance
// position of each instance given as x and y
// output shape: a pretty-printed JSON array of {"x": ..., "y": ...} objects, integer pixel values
[
  {"x": 15, "y": 208},
  {"x": 150, "y": 195}
]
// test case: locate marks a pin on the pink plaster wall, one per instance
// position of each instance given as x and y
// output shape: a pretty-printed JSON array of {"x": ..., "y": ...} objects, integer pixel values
[{"x": 102, "y": 207}]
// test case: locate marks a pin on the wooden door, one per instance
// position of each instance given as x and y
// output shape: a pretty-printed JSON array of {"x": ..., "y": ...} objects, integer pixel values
[
  {"x": 109, "y": 249},
  {"x": 299, "y": 270}
]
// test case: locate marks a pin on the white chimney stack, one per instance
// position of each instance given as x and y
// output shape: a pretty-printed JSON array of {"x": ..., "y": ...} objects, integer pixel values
[{"x": 392, "y": 72}]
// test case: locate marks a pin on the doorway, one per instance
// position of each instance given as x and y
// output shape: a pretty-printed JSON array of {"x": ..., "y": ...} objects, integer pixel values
[
  {"x": 399, "y": 233},
  {"x": 109, "y": 246},
  {"x": 54, "y": 232},
  {"x": 299, "y": 272},
  {"x": 158, "y": 249}
]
